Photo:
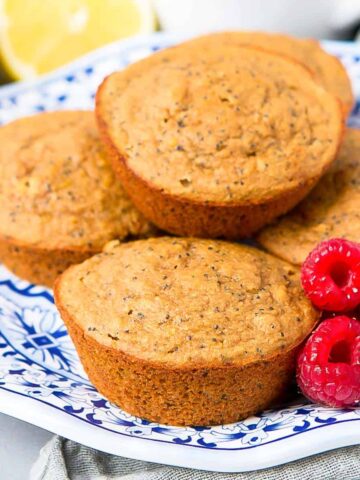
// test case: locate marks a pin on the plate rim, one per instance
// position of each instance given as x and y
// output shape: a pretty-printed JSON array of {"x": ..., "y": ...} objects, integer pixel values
[{"x": 216, "y": 460}]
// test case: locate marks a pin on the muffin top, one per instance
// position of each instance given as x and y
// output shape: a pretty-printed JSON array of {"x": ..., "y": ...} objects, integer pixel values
[
  {"x": 57, "y": 189},
  {"x": 232, "y": 125},
  {"x": 327, "y": 69},
  {"x": 186, "y": 302},
  {"x": 331, "y": 210}
]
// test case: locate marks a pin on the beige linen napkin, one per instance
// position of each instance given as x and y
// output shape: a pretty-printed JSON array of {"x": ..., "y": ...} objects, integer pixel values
[{"x": 63, "y": 459}]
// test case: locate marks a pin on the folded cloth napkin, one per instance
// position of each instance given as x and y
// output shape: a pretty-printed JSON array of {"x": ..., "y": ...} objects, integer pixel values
[{"x": 62, "y": 459}]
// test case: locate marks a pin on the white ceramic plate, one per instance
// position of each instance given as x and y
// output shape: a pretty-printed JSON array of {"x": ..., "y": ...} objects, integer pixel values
[{"x": 41, "y": 378}]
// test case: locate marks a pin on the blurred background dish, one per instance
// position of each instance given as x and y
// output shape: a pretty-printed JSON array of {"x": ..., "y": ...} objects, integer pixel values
[{"x": 305, "y": 18}]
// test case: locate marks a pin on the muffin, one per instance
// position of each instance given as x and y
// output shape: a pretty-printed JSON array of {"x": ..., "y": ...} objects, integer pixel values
[
  {"x": 331, "y": 210},
  {"x": 60, "y": 202},
  {"x": 327, "y": 69},
  {"x": 223, "y": 142},
  {"x": 186, "y": 331}
]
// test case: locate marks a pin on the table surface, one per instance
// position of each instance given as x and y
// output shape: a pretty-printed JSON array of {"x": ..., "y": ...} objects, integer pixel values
[{"x": 20, "y": 444}]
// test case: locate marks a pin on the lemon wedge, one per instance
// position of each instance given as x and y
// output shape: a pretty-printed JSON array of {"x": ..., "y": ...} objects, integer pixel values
[{"x": 37, "y": 36}]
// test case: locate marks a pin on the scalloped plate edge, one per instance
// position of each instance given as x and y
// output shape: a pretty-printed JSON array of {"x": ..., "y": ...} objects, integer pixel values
[{"x": 39, "y": 414}]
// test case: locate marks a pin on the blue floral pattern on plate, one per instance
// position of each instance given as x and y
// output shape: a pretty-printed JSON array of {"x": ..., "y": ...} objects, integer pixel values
[{"x": 37, "y": 357}]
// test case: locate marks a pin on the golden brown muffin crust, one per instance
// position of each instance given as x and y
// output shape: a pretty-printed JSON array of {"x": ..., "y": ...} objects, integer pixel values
[
  {"x": 39, "y": 265},
  {"x": 185, "y": 331},
  {"x": 331, "y": 210},
  {"x": 327, "y": 69},
  {"x": 238, "y": 125},
  {"x": 196, "y": 396},
  {"x": 184, "y": 302},
  {"x": 59, "y": 199},
  {"x": 57, "y": 189}
]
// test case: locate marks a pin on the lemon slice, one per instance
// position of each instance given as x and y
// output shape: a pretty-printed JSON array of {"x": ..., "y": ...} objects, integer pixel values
[{"x": 37, "y": 36}]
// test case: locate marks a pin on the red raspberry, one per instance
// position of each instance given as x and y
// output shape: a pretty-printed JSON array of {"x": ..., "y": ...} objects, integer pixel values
[
  {"x": 330, "y": 275},
  {"x": 328, "y": 369}
]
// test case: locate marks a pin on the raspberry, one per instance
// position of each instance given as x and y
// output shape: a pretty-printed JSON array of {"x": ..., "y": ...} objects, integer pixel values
[
  {"x": 328, "y": 368},
  {"x": 330, "y": 275}
]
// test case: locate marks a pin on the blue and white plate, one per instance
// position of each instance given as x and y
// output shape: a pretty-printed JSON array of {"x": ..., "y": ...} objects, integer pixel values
[{"x": 41, "y": 378}]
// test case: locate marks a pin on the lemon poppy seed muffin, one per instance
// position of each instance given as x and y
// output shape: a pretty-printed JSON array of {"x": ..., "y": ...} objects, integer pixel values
[
  {"x": 224, "y": 141},
  {"x": 332, "y": 210},
  {"x": 186, "y": 331},
  {"x": 327, "y": 69},
  {"x": 59, "y": 200}
]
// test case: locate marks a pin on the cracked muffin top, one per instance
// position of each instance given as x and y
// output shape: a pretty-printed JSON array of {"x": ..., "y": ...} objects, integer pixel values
[
  {"x": 186, "y": 302},
  {"x": 331, "y": 210},
  {"x": 232, "y": 125},
  {"x": 327, "y": 69},
  {"x": 57, "y": 189}
]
